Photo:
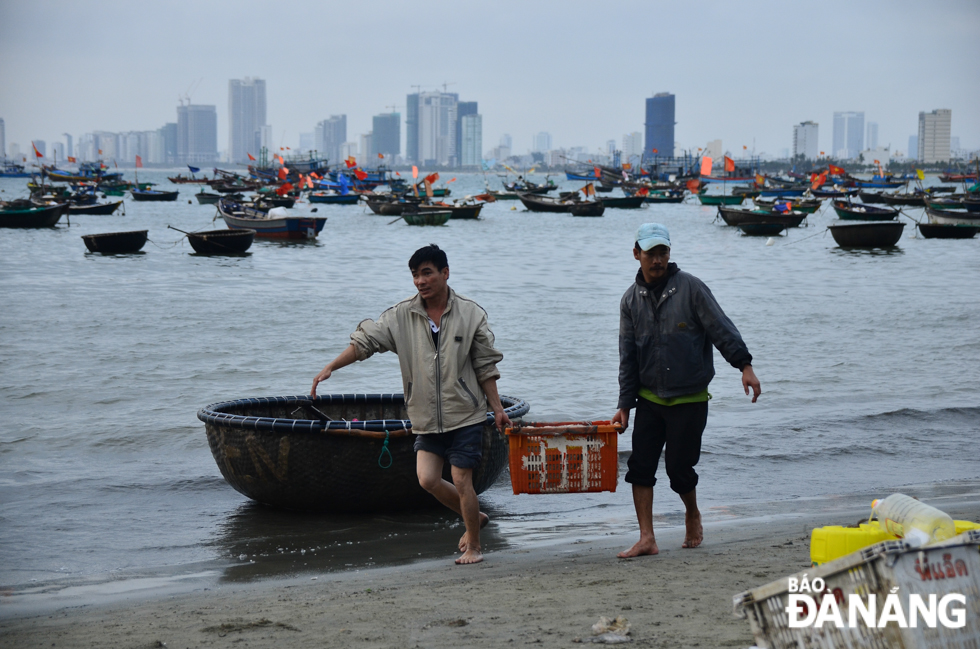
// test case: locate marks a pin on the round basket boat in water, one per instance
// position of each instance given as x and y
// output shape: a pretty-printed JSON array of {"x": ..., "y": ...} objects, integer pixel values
[{"x": 329, "y": 453}]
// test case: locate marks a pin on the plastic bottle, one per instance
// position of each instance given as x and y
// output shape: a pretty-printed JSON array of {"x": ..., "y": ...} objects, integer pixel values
[{"x": 916, "y": 522}]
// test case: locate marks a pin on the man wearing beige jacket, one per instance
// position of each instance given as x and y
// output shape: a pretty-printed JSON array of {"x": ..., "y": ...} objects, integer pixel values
[{"x": 449, "y": 376}]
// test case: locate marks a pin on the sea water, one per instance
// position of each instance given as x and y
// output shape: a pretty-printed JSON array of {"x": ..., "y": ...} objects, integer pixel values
[{"x": 869, "y": 363}]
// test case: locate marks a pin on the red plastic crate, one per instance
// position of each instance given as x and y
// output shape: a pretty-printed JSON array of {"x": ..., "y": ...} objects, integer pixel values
[{"x": 563, "y": 457}]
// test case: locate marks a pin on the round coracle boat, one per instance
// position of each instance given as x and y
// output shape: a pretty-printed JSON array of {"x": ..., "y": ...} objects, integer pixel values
[{"x": 335, "y": 452}]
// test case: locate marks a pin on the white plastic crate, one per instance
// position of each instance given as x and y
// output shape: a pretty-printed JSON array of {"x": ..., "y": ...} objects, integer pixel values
[{"x": 950, "y": 567}]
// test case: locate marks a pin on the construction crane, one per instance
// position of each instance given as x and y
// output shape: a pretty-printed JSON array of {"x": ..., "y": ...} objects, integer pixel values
[
  {"x": 445, "y": 84},
  {"x": 187, "y": 93}
]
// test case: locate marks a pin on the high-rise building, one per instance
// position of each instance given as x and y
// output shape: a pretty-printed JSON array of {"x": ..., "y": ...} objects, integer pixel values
[
  {"x": 330, "y": 135},
  {"x": 805, "y": 140},
  {"x": 660, "y": 125},
  {"x": 366, "y": 147},
  {"x": 471, "y": 135},
  {"x": 168, "y": 135},
  {"x": 632, "y": 145},
  {"x": 848, "y": 135},
  {"x": 412, "y": 127},
  {"x": 246, "y": 117},
  {"x": 913, "y": 147},
  {"x": 197, "y": 134},
  {"x": 542, "y": 142},
  {"x": 69, "y": 150},
  {"x": 715, "y": 151},
  {"x": 306, "y": 142},
  {"x": 437, "y": 128},
  {"x": 507, "y": 141},
  {"x": 387, "y": 134},
  {"x": 3, "y": 139},
  {"x": 463, "y": 108},
  {"x": 58, "y": 151},
  {"x": 610, "y": 146},
  {"x": 934, "y": 134},
  {"x": 871, "y": 141}
]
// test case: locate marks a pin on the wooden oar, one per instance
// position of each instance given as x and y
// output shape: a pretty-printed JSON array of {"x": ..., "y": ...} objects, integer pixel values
[{"x": 396, "y": 220}]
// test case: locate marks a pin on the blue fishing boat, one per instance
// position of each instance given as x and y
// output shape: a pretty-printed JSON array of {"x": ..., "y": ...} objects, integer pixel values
[
  {"x": 13, "y": 170},
  {"x": 272, "y": 224}
]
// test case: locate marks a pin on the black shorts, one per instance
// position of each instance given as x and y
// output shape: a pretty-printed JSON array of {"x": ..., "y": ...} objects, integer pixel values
[
  {"x": 463, "y": 447},
  {"x": 679, "y": 428}
]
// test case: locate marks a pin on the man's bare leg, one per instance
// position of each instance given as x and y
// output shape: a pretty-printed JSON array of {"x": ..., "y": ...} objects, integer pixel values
[
  {"x": 428, "y": 466},
  {"x": 643, "y": 503},
  {"x": 470, "y": 509},
  {"x": 694, "y": 534}
]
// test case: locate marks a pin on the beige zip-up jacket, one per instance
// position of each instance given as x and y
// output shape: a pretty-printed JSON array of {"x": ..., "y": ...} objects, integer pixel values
[{"x": 442, "y": 386}]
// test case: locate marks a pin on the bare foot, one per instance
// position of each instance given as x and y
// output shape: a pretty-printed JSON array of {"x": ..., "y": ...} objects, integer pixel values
[
  {"x": 472, "y": 555},
  {"x": 484, "y": 520},
  {"x": 643, "y": 547},
  {"x": 695, "y": 533}
]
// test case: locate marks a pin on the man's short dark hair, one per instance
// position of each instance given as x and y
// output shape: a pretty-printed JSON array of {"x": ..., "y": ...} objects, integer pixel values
[{"x": 431, "y": 253}]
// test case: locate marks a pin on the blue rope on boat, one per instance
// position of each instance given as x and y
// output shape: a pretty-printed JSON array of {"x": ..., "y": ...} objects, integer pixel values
[{"x": 384, "y": 449}]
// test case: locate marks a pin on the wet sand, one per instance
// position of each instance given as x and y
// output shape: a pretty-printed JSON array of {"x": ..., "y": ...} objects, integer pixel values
[{"x": 546, "y": 596}]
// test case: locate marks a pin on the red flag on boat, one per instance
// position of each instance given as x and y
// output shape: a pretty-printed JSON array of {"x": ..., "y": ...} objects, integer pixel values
[
  {"x": 452, "y": 180},
  {"x": 643, "y": 191},
  {"x": 381, "y": 156},
  {"x": 285, "y": 189},
  {"x": 693, "y": 186},
  {"x": 139, "y": 162},
  {"x": 588, "y": 190},
  {"x": 250, "y": 157},
  {"x": 729, "y": 164},
  {"x": 71, "y": 159},
  {"x": 656, "y": 151},
  {"x": 598, "y": 172},
  {"x": 398, "y": 173},
  {"x": 283, "y": 172},
  {"x": 706, "y": 163},
  {"x": 100, "y": 151},
  {"x": 287, "y": 148},
  {"x": 760, "y": 180},
  {"x": 37, "y": 154},
  {"x": 415, "y": 172},
  {"x": 835, "y": 171},
  {"x": 361, "y": 174},
  {"x": 309, "y": 182},
  {"x": 281, "y": 161},
  {"x": 431, "y": 178},
  {"x": 313, "y": 174},
  {"x": 818, "y": 181},
  {"x": 627, "y": 166}
]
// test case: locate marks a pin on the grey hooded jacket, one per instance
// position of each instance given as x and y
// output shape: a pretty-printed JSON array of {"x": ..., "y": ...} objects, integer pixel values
[
  {"x": 442, "y": 386},
  {"x": 665, "y": 340}
]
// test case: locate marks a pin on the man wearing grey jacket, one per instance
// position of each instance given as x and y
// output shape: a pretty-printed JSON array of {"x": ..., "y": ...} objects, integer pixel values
[
  {"x": 449, "y": 377},
  {"x": 668, "y": 322}
]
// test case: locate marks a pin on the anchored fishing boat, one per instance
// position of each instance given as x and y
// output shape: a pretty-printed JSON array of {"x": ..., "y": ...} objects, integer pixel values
[
  {"x": 271, "y": 224},
  {"x": 337, "y": 453}
]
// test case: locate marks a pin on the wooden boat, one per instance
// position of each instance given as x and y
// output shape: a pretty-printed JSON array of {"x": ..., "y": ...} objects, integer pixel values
[
  {"x": 334, "y": 198},
  {"x": 458, "y": 211},
  {"x": 221, "y": 242},
  {"x": 336, "y": 452},
  {"x": 836, "y": 192},
  {"x": 867, "y": 234},
  {"x": 783, "y": 192},
  {"x": 110, "y": 243},
  {"x": 808, "y": 206},
  {"x": 23, "y": 213},
  {"x": 536, "y": 203},
  {"x": 624, "y": 203},
  {"x": 101, "y": 209},
  {"x": 503, "y": 196},
  {"x": 948, "y": 231},
  {"x": 663, "y": 197},
  {"x": 588, "y": 208},
  {"x": 13, "y": 170},
  {"x": 956, "y": 178},
  {"x": 186, "y": 180},
  {"x": 857, "y": 212},
  {"x": 720, "y": 199},
  {"x": 427, "y": 217},
  {"x": 761, "y": 228},
  {"x": 268, "y": 201},
  {"x": 951, "y": 217},
  {"x": 152, "y": 195},
  {"x": 388, "y": 206},
  {"x": 207, "y": 198},
  {"x": 902, "y": 199},
  {"x": 747, "y": 192},
  {"x": 240, "y": 216},
  {"x": 522, "y": 186},
  {"x": 871, "y": 198},
  {"x": 736, "y": 217}
]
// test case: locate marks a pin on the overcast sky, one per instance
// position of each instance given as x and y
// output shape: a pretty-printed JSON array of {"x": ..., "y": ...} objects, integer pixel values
[{"x": 744, "y": 72}]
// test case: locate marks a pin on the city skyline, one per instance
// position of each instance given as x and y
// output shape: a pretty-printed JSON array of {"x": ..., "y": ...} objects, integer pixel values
[{"x": 565, "y": 104}]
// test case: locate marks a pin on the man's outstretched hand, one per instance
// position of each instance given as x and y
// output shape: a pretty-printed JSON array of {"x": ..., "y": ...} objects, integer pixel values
[{"x": 749, "y": 380}]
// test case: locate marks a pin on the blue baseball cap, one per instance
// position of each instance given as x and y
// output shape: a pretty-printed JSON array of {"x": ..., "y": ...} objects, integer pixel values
[{"x": 652, "y": 234}]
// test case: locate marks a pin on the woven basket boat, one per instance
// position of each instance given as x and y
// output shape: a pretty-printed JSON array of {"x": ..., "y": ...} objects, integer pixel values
[{"x": 328, "y": 453}]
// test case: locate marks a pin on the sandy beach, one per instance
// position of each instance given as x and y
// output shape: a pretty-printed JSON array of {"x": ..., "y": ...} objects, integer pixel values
[{"x": 543, "y": 596}]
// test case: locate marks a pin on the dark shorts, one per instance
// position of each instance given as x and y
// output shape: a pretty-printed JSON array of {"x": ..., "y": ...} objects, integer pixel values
[
  {"x": 679, "y": 428},
  {"x": 463, "y": 447}
]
